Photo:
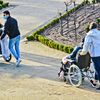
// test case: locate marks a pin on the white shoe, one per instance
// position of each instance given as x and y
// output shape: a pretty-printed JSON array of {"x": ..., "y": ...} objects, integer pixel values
[
  {"x": 18, "y": 62},
  {"x": 7, "y": 58}
]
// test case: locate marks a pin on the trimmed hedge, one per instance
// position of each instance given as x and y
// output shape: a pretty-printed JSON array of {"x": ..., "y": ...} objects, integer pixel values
[
  {"x": 52, "y": 44},
  {"x": 3, "y": 5},
  {"x": 1, "y": 2},
  {"x": 98, "y": 20}
]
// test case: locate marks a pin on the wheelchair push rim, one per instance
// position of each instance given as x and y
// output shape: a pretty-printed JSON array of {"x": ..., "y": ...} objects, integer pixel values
[{"x": 74, "y": 75}]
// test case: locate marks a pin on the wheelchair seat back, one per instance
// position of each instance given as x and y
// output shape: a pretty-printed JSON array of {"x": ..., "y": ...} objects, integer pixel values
[{"x": 83, "y": 61}]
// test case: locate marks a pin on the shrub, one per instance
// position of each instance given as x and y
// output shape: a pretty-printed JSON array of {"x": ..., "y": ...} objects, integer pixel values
[
  {"x": 87, "y": 28},
  {"x": 61, "y": 47},
  {"x": 0, "y": 6},
  {"x": 66, "y": 49},
  {"x": 87, "y": 2},
  {"x": 1, "y": 2},
  {"x": 50, "y": 43},
  {"x": 56, "y": 46},
  {"x": 5, "y": 5},
  {"x": 98, "y": 20},
  {"x": 30, "y": 38},
  {"x": 46, "y": 41},
  {"x": 93, "y": 1}
]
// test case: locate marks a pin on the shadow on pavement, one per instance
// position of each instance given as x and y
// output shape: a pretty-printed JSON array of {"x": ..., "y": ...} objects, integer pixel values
[{"x": 48, "y": 71}]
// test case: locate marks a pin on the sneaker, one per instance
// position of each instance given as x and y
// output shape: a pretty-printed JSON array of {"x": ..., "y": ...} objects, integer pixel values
[
  {"x": 18, "y": 63},
  {"x": 93, "y": 84},
  {"x": 7, "y": 58},
  {"x": 61, "y": 76}
]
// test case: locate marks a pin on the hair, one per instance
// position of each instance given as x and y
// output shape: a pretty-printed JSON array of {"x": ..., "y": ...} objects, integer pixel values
[
  {"x": 93, "y": 25},
  {"x": 6, "y": 12}
]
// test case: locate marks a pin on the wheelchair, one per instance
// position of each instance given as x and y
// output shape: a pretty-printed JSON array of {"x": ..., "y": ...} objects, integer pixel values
[{"x": 76, "y": 70}]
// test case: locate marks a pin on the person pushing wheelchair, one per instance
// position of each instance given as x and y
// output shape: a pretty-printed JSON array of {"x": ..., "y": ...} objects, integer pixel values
[
  {"x": 4, "y": 45},
  {"x": 92, "y": 45}
]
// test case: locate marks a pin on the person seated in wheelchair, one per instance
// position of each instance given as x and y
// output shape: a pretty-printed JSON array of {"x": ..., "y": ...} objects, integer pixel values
[
  {"x": 82, "y": 61},
  {"x": 70, "y": 58},
  {"x": 4, "y": 45}
]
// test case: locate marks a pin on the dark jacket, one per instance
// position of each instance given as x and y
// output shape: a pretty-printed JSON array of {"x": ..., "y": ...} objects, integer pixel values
[{"x": 11, "y": 28}]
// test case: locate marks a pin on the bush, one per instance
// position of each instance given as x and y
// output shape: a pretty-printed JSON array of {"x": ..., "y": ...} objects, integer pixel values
[
  {"x": 1, "y": 2},
  {"x": 98, "y": 20},
  {"x": 61, "y": 47},
  {"x": 50, "y": 43},
  {"x": 30, "y": 38},
  {"x": 5, "y": 5},
  {"x": 0, "y": 6},
  {"x": 87, "y": 2},
  {"x": 66, "y": 49},
  {"x": 87, "y": 29}
]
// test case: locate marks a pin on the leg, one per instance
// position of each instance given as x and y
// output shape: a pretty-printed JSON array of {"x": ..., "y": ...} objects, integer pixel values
[
  {"x": 96, "y": 61},
  {"x": 6, "y": 47},
  {"x": 17, "y": 49},
  {"x": 17, "y": 46},
  {"x": 12, "y": 48}
]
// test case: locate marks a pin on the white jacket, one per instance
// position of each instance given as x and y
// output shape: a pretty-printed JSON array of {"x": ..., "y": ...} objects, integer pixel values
[{"x": 92, "y": 43}]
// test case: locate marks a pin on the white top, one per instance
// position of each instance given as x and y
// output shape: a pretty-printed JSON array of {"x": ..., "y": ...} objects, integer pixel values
[
  {"x": 5, "y": 45},
  {"x": 92, "y": 43}
]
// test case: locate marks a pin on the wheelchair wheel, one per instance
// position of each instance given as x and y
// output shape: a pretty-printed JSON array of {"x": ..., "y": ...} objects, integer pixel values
[
  {"x": 8, "y": 60},
  {"x": 74, "y": 75}
]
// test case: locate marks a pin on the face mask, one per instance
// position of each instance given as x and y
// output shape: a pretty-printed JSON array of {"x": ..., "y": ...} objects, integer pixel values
[{"x": 5, "y": 17}]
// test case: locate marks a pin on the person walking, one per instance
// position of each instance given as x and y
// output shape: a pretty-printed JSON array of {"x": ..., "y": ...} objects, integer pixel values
[
  {"x": 11, "y": 29},
  {"x": 92, "y": 45}
]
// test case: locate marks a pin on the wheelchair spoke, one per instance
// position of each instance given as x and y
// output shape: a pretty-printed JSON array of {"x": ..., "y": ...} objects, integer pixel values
[{"x": 75, "y": 76}]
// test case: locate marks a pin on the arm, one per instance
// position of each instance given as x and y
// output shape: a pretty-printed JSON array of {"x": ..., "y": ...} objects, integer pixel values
[
  {"x": 6, "y": 28},
  {"x": 86, "y": 45}
]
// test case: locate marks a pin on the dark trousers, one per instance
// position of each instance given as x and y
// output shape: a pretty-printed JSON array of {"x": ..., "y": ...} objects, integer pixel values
[{"x": 96, "y": 61}]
